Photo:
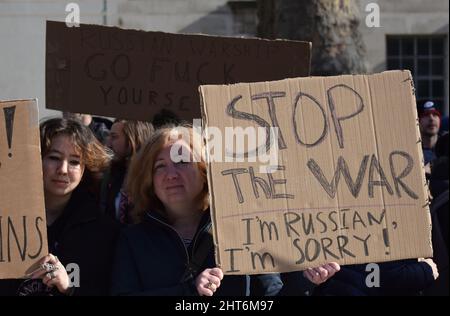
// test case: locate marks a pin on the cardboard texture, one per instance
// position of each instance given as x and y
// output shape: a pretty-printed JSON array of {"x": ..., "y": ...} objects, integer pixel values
[
  {"x": 134, "y": 74},
  {"x": 349, "y": 186},
  {"x": 23, "y": 229}
]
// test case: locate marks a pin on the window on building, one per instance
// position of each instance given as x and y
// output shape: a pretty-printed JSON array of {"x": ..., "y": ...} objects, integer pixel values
[
  {"x": 245, "y": 17},
  {"x": 424, "y": 56}
]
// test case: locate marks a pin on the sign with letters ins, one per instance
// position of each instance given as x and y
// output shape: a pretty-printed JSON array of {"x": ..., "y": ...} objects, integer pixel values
[{"x": 23, "y": 229}]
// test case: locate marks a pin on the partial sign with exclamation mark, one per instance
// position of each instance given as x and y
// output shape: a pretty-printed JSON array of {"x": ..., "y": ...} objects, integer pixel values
[
  {"x": 22, "y": 216},
  {"x": 9, "y": 124},
  {"x": 386, "y": 240}
]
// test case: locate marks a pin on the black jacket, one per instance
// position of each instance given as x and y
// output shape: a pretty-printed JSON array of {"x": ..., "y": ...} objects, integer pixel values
[
  {"x": 151, "y": 259},
  {"x": 111, "y": 184},
  {"x": 88, "y": 239},
  {"x": 402, "y": 277},
  {"x": 81, "y": 236}
]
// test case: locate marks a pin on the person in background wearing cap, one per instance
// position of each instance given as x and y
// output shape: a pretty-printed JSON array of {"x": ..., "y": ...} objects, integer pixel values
[{"x": 429, "y": 123}]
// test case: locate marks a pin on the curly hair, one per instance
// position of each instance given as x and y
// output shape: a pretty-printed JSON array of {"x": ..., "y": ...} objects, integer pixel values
[{"x": 139, "y": 182}]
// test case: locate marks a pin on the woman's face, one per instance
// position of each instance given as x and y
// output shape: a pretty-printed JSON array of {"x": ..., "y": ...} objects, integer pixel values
[
  {"x": 62, "y": 167},
  {"x": 176, "y": 184}
]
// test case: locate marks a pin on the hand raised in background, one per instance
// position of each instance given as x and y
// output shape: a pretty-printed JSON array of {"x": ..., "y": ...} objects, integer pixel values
[{"x": 322, "y": 273}]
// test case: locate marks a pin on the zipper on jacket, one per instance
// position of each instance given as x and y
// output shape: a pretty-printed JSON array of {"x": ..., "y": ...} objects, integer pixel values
[
  {"x": 200, "y": 232},
  {"x": 181, "y": 239}
]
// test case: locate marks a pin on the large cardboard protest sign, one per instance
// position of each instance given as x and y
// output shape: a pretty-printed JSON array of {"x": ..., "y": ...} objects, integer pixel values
[
  {"x": 135, "y": 74},
  {"x": 348, "y": 185},
  {"x": 23, "y": 230}
]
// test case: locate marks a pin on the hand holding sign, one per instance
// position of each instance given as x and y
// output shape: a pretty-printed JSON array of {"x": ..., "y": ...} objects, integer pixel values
[
  {"x": 322, "y": 273},
  {"x": 52, "y": 273},
  {"x": 432, "y": 265},
  {"x": 208, "y": 281}
]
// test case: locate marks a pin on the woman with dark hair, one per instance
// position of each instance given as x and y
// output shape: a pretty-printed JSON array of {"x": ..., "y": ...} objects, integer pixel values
[
  {"x": 78, "y": 235},
  {"x": 168, "y": 186}
]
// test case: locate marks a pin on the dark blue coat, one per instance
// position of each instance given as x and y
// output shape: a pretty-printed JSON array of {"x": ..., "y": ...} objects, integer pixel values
[
  {"x": 402, "y": 277},
  {"x": 151, "y": 259}
]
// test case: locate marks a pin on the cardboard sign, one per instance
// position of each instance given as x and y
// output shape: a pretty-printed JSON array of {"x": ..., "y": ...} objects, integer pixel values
[
  {"x": 23, "y": 229},
  {"x": 348, "y": 185},
  {"x": 134, "y": 74}
]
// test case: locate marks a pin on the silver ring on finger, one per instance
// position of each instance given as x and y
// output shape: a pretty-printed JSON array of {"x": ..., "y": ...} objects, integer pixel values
[
  {"x": 210, "y": 286},
  {"x": 48, "y": 267},
  {"x": 52, "y": 274}
]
